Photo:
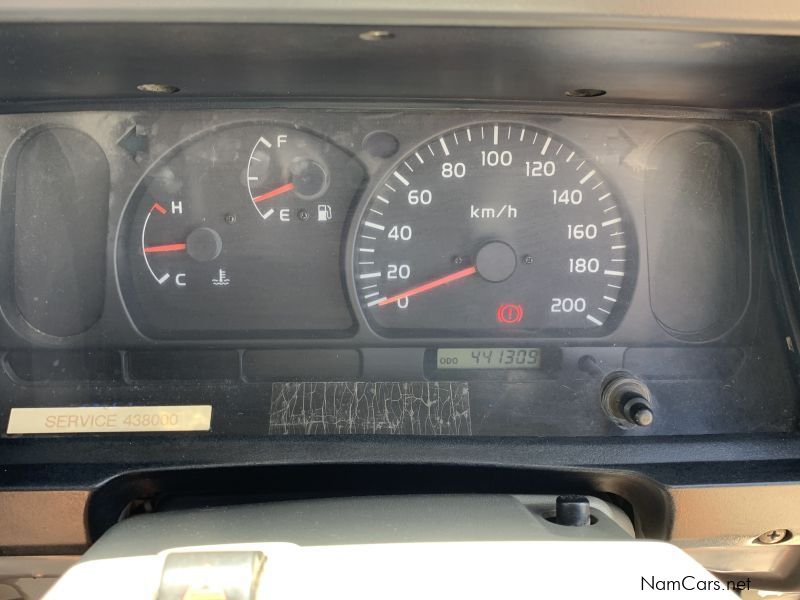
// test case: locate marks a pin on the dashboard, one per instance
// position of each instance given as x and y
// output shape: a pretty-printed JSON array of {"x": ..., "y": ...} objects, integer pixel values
[
  {"x": 376, "y": 269},
  {"x": 312, "y": 252}
]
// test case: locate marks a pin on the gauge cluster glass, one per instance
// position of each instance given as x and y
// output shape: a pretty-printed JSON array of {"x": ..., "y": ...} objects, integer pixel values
[{"x": 375, "y": 269}]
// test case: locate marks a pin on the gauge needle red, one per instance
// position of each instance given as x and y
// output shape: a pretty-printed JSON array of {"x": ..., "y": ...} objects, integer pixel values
[
  {"x": 165, "y": 248},
  {"x": 276, "y": 192},
  {"x": 425, "y": 287}
]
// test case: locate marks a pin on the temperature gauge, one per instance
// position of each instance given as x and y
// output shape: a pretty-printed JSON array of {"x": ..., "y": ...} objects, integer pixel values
[
  {"x": 215, "y": 227},
  {"x": 174, "y": 260}
]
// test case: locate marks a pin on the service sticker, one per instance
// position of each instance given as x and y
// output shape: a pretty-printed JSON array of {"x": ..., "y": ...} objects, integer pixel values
[{"x": 108, "y": 419}]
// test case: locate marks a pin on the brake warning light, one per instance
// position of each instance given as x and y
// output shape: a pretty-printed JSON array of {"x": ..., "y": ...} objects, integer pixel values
[{"x": 510, "y": 313}]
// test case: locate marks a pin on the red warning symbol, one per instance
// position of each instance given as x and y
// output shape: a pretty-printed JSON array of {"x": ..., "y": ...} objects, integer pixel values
[{"x": 510, "y": 313}]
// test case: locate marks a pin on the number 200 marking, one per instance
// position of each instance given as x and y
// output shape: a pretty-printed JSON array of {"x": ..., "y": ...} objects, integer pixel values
[{"x": 568, "y": 305}]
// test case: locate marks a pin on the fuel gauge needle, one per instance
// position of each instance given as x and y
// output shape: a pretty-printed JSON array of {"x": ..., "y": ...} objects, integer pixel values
[
  {"x": 288, "y": 187},
  {"x": 425, "y": 287},
  {"x": 165, "y": 248}
]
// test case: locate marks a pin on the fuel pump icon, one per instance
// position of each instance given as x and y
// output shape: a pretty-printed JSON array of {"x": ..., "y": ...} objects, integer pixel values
[{"x": 324, "y": 213}]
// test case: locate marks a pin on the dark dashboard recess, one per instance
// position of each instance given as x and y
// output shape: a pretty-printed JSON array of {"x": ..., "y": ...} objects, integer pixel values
[
  {"x": 58, "y": 193},
  {"x": 692, "y": 248}
]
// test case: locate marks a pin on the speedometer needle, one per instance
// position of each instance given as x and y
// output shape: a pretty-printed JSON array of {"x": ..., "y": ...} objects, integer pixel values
[
  {"x": 430, "y": 285},
  {"x": 276, "y": 192}
]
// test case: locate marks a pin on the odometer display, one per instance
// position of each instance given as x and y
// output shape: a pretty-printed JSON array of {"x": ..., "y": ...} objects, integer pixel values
[
  {"x": 492, "y": 228},
  {"x": 488, "y": 358}
]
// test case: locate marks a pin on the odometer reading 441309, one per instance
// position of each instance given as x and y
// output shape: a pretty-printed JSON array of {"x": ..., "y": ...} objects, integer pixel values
[{"x": 494, "y": 227}]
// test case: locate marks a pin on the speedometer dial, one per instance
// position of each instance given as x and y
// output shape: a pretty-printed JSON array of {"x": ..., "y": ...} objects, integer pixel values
[{"x": 494, "y": 227}]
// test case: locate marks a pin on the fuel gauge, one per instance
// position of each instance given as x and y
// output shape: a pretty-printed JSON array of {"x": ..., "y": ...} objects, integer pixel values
[
  {"x": 279, "y": 171},
  {"x": 205, "y": 256}
]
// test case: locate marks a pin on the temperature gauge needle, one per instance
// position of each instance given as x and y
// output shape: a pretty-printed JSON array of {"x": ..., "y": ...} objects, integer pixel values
[
  {"x": 425, "y": 287},
  {"x": 165, "y": 248},
  {"x": 276, "y": 192}
]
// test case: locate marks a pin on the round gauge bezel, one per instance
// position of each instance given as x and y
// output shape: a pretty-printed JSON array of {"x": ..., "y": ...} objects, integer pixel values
[
  {"x": 611, "y": 323},
  {"x": 124, "y": 230}
]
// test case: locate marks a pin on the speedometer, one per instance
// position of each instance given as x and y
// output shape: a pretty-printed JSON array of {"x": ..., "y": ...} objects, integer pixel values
[{"x": 493, "y": 228}]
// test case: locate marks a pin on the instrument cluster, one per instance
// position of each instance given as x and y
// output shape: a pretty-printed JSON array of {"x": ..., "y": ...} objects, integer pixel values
[
  {"x": 431, "y": 269},
  {"x": 494, "y": 229}
]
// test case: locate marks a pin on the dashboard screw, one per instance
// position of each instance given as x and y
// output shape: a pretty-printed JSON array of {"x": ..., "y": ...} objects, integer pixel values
[
  {"x": 775, "y": 536},
  {"x": 157, "y": 88},
  {"x": 376, "y": 36},
  {"x": 230, "y": 218},
  {"x": 585, "y": 93}
]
